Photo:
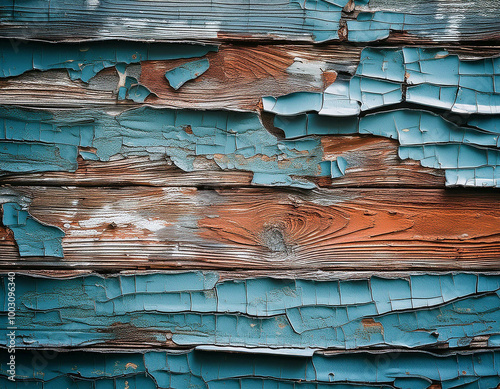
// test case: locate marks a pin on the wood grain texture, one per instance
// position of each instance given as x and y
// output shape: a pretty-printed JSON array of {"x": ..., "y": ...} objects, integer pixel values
[
  {"x": 370, "y": 229},
  {"x": 315, "y": 21}
]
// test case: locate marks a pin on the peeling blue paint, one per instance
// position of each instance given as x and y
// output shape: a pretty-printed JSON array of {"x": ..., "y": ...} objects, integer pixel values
[
  {"x": 196, "y": 309},
  {"x": 84, "y": 60},
  {"x": 335, "y": 168},
  {"x": 434, "y": 78},
  {"x": 233, "y": 140},
  {"x": 32, "y": 237},
  {"x": 216, "y": 370},
  {"x": 469, "y": 154},
  {"x": 178, "y": 76}
]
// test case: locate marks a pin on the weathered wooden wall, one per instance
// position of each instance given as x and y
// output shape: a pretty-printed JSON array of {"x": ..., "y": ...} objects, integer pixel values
[{"x": 250, "y": 194}]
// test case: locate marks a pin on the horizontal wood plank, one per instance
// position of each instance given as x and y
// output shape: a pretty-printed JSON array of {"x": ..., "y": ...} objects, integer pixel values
[
  {"x": 238, "y": 77},
  {"x": 373, "y": 162},
  {"x": 317, "y": 21},
  {"x": 370, "y": 229}
]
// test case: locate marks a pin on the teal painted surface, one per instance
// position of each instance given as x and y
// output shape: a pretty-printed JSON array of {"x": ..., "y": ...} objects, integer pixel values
[
  {"x": 433, "y": 78},
  {"x": 178, "y": 76},
  {"x": 427, "y": 78},
  {"x": 233, "y": 140},
  {"x": 32, "y": 237},
  {"x": 195, "y": 309},
  {"x": 216, "y": 370},
  {"x": 84, "y": 60}
]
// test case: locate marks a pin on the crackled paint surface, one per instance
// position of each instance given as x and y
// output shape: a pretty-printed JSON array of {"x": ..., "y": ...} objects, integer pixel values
[
  {"x": 37, "y": 141},
  {"x": 84, "y": 60},
  {"x": 199, "y": 369},
  {"x": 467, "y": 149},
  {"x": 192, "y": 309}
]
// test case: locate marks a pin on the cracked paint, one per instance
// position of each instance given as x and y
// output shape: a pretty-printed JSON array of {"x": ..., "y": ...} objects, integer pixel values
[
  {"x": 431, "y": 77},
  {"x": 428, "y": 78},
  {"x": 232, "y": 140},
  {"x": 84, "y": 60},
  {"x": 196, "y": 309},
  {"x": 218, "y": 369}
]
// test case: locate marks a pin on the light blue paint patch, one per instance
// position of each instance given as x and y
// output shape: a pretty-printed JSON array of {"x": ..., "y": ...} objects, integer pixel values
[
  {"x": 486, "y": 123},
  {"x": 88, "y": 156},
  {"x": 294, "y": 103},
  {"x": 369, "y": 27},
  {"x": 178, "y": 76},
  {"x": 421, "y": 310},
  {"x": 218, "y": 369},
  {"x": 373, "y": 93},
  {"x": 32, "y": 237},
  {"x": 432, "y": 95},
  {"x": 84, "y": 60},
  {"x": 132, "y": 89},
  {"x": 138, "y": 93},
  {"x": 384, "y": 64},
  {"x": 337, "y": 100}
]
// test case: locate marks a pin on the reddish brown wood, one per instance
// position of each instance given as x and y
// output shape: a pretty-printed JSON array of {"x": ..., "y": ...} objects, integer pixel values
[{"x": 182, "y": 228}]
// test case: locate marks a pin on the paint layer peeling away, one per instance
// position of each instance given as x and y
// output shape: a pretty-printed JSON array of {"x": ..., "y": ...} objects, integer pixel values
[
  {"x": 33, "y": 238},
  {"x": 196, "y": 309},
  {"x": 216, "y": 370},
  {"x": 311, "y": 20},
  {"x": 37, "y": 141},
  {"x": 178, "y": 76},
  {"x": 436, "y": 84},
  {"x": 84, "y": 60}
]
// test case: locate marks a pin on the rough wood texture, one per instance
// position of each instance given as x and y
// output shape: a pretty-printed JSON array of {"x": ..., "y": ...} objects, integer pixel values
[
  {"x": 136, "y": 227},
  {"x": 313, "y": 21}
]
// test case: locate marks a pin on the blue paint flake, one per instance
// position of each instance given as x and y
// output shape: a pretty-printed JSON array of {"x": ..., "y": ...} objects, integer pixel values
[
  {"x": 32, "y": 237},
  {"x": 178, "y": 76}
]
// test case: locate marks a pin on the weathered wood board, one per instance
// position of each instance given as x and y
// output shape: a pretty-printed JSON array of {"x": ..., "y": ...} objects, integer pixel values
[{"x": 250, "y": 194}]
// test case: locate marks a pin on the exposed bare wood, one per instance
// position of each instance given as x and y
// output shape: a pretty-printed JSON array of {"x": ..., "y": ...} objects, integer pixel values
[{"x": 372, "y": 229}]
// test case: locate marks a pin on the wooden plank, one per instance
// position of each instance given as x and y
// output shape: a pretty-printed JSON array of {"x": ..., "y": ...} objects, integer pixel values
[
  {"x": 251, "y": 71},
  {"x": 373, "y": 162},
  {"x": 372, "y": 229},
  {"x": 314, "y": 21},
  {"x": 221, "y": 368},
  {"x": 283, "y": 313}
]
